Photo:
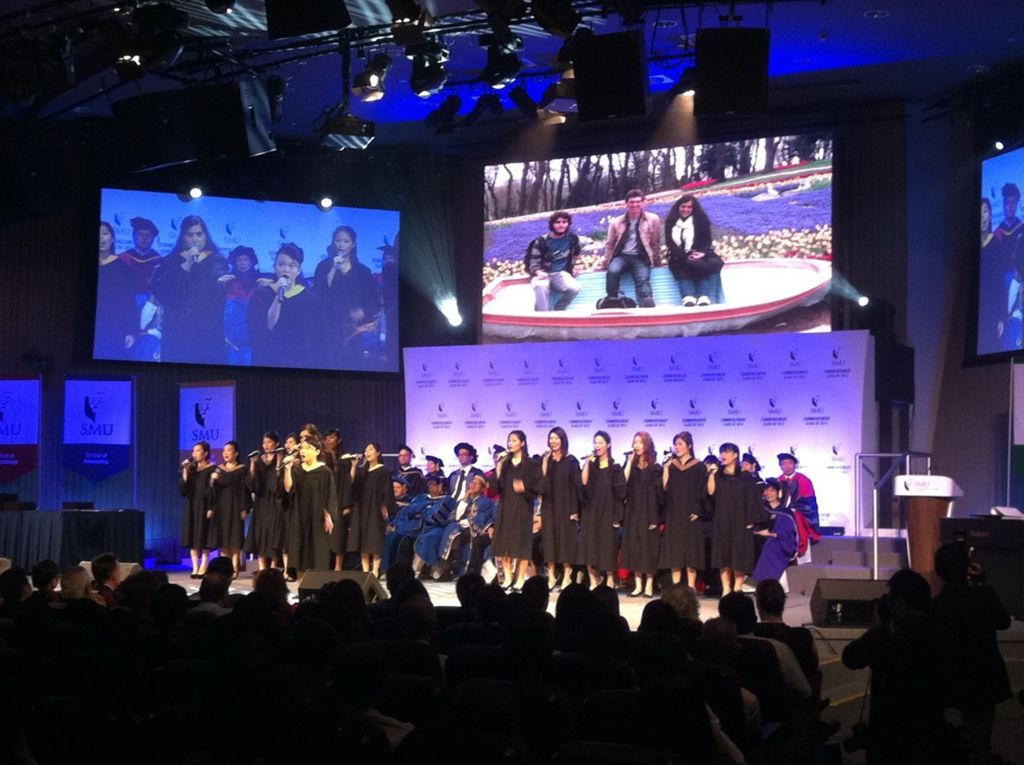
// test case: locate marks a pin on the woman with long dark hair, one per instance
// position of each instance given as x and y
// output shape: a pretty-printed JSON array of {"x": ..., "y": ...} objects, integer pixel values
[
  {"x": 691, "y": 256},
  {"x": 737, "y": 509},
  {"x": 187, "y": 285},
  {"x": 349, "y": 298},
  {"x": 290, "y": 454},
  {"x": 560, "y": 509},
  {"x": 314, "y": 507},
  {"x": 685, "y": 481},
  {"x": 117, "y": 313},
  {"x": 518, "y": 481},
  {"x": 644, "y": 499},
  {"x": 604, "y": 496},
  {"x": 230, "y": 501},
  {"x": 373, "y": 505},
  {"x": 194, "y": 485},
  {"x": 266, "y": 531}
]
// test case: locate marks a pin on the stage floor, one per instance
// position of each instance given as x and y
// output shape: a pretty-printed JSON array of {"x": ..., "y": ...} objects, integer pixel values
[{"x": 798, "y": 610}]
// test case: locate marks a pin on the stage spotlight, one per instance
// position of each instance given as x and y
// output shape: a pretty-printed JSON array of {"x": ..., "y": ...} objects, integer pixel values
[
  {"x": 523, "y": 102},
  {"x": 369, "y": 84},
  {"x": 489, "y": 104},
  {"x": 129, "y": 67},
  {"x": 449, "y": 308},
  {"x": 863, "y": 301},
  {"x": 556, "y": 17},
  {"x": 503, "y": 64},
  {"x": 560, "y": 97},
  {"x": 195, "y": 192},
  {"x": 687, "y": 85},
  {"x": 159, "y": 28},
  {"x": 442, "y": 119},
  {"x": 999, "y": 145},
  {"x": 429, "y": 74},
  {"x": 220, "y": 6},
  {"x": 325, "y": 203}
]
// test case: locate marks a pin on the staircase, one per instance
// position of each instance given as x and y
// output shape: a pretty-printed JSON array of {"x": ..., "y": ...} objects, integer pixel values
[{"x": 846, "y": 558}]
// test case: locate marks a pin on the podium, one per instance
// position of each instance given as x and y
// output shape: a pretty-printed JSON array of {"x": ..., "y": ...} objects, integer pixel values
[{"x": 928, "y": 499}]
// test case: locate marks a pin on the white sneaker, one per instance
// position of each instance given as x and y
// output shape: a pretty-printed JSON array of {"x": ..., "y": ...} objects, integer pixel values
[
  {"x": 689, "y": 301},
  {"x": 703, "y": 300}
]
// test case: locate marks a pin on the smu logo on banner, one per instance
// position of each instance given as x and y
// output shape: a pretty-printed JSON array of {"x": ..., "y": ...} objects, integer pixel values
[
  {"x": 97, "y": 427},
  {"x": 206, "y": 413},
  {"x": 19, "y": 427}
]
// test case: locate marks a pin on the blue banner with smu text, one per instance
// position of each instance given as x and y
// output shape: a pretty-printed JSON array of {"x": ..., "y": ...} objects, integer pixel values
[
  {"x": 206, "y": 412},
  {"x": 97, "y": 427}
]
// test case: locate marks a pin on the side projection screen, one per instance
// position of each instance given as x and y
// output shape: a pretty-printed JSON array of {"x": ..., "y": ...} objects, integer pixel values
[{"x": 241, "y": 282}]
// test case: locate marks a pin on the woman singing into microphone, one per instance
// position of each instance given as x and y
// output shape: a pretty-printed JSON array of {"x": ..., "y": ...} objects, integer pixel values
[
  {"x": 187, "y": 285},
  {"x": 230, "y": 503},
  {"x": 283, "y": 325},
  {"x": 314, "y": 507},
  {"x": 266, "y": 532},
  {"x": 644, "y": 498},
  {"x": 737, "y": 508},
  {"x": 194, "y": 485},
  {"x": 685, "y": 480},
  {"x": 560, "y": 508},
  {"x": 518, "y": 481},
  {"x": 604, "y": 492},
  {"x": 373, "y": 505},
  {"x": 349, "y": 298}
]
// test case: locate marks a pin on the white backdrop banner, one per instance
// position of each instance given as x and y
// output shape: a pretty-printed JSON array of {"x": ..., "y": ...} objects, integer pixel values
[{"x": 805, "y": 393}]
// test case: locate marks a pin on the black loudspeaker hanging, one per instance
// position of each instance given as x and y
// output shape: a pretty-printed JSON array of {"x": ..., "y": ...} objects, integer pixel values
[
  {"x": 611, "y": 76},
  {"x": 732, "y": 71}
]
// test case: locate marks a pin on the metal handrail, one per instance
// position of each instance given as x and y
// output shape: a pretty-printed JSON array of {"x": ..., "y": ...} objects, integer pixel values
[{"x": 904, "y": 459}]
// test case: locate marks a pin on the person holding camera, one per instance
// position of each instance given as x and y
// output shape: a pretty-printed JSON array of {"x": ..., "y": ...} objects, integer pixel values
[{"x": 913, "y": 674}]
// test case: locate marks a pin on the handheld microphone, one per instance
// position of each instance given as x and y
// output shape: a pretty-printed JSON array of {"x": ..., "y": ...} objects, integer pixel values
[
  {"x": 254, "y": 453},
  {"x": 186, "y": 463}
]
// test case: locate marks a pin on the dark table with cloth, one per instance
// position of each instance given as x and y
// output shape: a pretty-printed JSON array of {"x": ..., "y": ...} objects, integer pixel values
[{"x": 70, "y": 536}]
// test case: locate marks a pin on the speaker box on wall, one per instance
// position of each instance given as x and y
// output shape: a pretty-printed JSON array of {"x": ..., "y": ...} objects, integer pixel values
[
  {"x": 845, "y": 602},
  {"x": 732, "y": 71},
  {"x": 611, "y": 76},
  {"x": 312, "y": 581},
  {"x": 177, "y": 126},
  {"x": 289, "y": 18}
]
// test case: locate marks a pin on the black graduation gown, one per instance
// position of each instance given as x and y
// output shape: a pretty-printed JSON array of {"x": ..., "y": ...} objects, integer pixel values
[
  {"x": 343, "y": 483},
  {"x": 737, "y": 505},
  {"x": 371, "y": 491},
  {"x": 117, "y": 313},
  {"x": 193, "y": 303},
  {"x": 513, "y": 529},
  {"x": 603, "y": 499},
  {"x": 229, "y": 496},
  {"x": 295, "y": 339},
  {"x": 561, "y": 492},
  {"x": 267, "y": 529},
  {"x": 355, "y": 289},
  {"x": 194, "y": 524},
  {"x": 682, "y": 544},
  {"x": 313, "y": 492},
  {"x": 644, "y": 500}
]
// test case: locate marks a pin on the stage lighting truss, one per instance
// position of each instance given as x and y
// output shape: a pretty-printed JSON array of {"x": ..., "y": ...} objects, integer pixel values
[
  {"x": 369, "y": 84},
  {"x": 429, "y": 73},
  {"x": 503, "y": 64}
]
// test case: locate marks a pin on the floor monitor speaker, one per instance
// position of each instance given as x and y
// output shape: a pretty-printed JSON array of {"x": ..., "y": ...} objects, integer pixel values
[{"x": 312, "y": 581}]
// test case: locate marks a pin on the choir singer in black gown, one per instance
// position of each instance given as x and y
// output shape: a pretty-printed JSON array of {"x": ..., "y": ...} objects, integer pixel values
[
  {"x": 284, "y": 325},
  {"x": 685, "y": 479},
  {"x": 266, "y": 531},
  {"x": 194, "y": 485},
  {"x": 643, "y": 514},
  {"x": 313, "y": 508},
  {"x": 230, "y": 501},
  {"x": 561, "y": 491},
  {"x": 604, "y": 494},
  {"x": 737, "y": 509},
  {"x": 373, "y": 504},
  {"x": 518, "y": 480}
]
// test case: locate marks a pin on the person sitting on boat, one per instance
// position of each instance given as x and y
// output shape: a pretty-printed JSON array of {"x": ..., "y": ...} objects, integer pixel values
[
  {"x": 551, "y": 263},
  {"x": 691, "y": 256},
  {"x": 634, "y": 245}
]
